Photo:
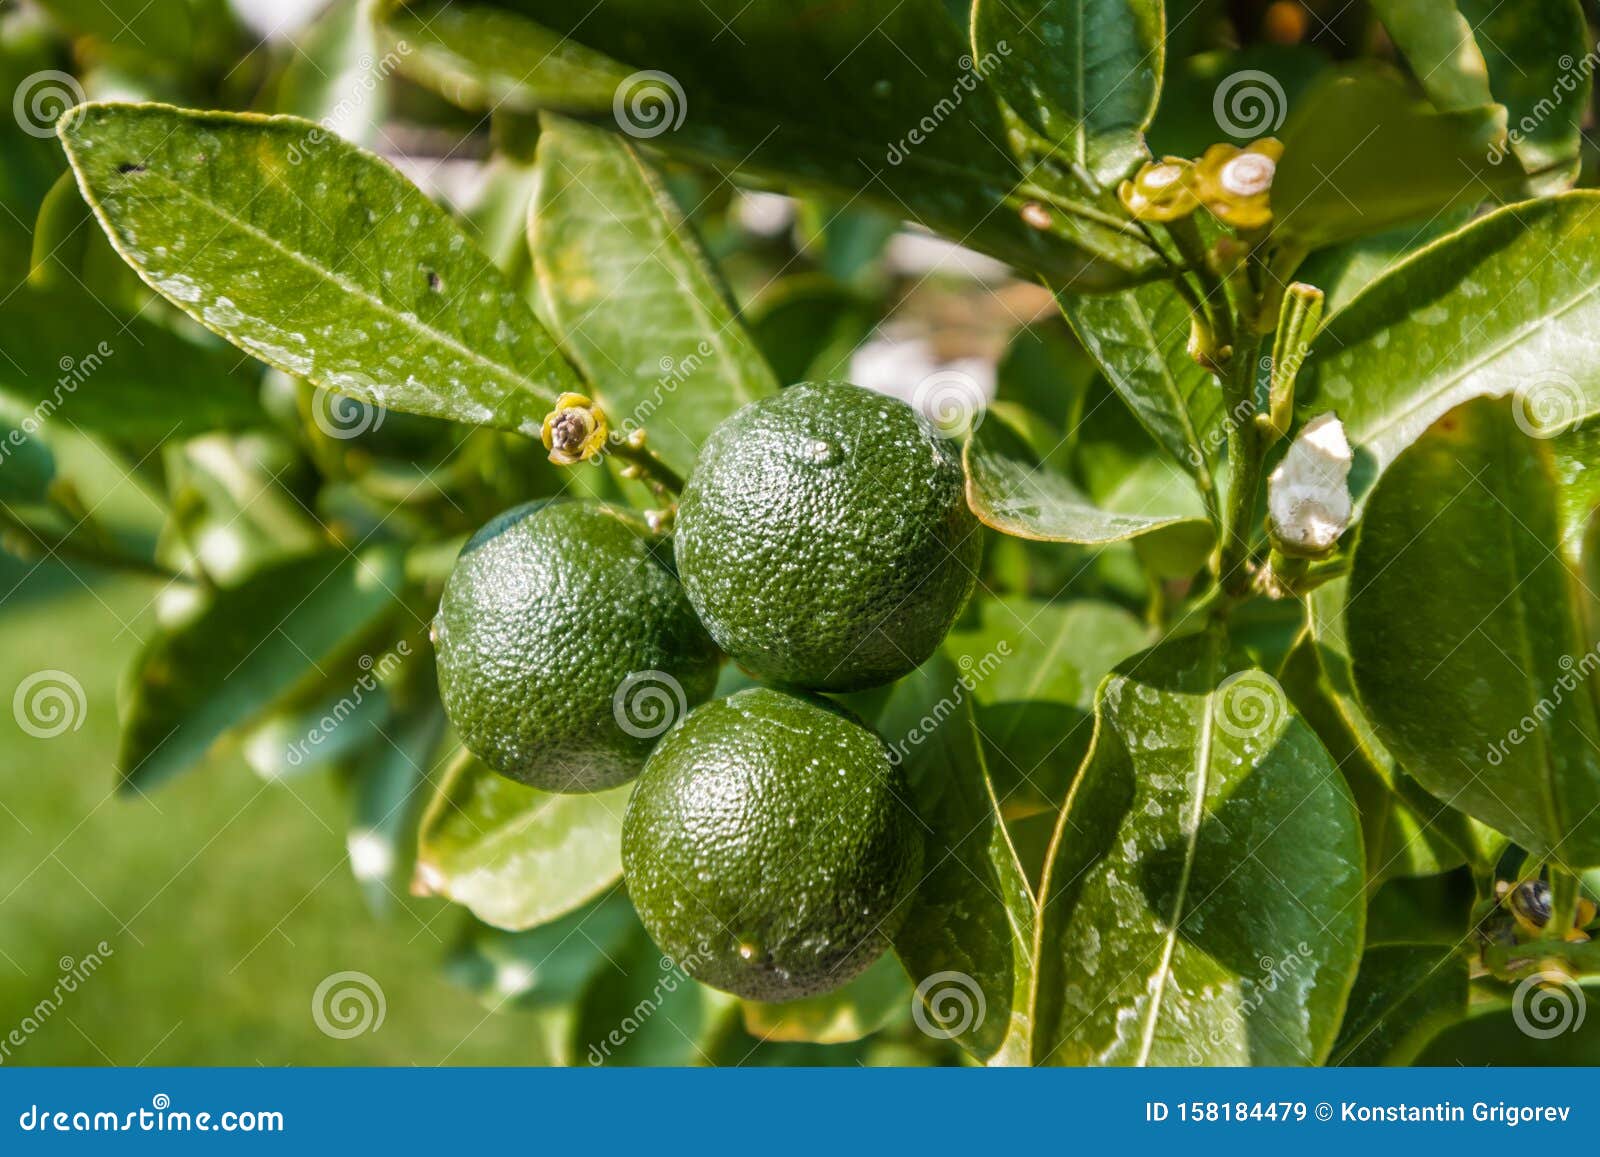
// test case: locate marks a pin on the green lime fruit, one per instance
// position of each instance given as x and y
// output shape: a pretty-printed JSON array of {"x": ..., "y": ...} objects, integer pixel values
[
  {"x": 770, "y": 846},
  {"x": 824, "y": 537},
  {"x": 566, "y": 645}
]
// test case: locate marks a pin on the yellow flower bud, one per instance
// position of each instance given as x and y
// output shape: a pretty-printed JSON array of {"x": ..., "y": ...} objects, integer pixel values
[
  {"x": 1160, "y": 191},
  {"x": 1236, "y": 184},
  {"x": 575, "y": 430}
]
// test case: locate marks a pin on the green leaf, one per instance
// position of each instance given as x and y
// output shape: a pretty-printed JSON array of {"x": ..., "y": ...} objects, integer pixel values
[
  {"x": 1204, "y": 900},
  {"x": 1404, "y": 994},
  {"x": 251, "y": 645},
  {"x": 1141, "y": 340},
  {"x": 1397, "y": 840},
  {"x": 317, "y": 258},
  {"x": 967, "y": 937},
  {"x": 1017, "y": 648},
  {"x": 641, "y": 1008},
  {"x": 1483, "y": 312},
  {"x": 858, "y": 1009},
  {"x": 1493, "y": 1033},
  {"x": 1010, "y": 490},
  {"x": 1363, "y": 153},
  {"x": 633, "y": 298},
  {"x": 1465, "y": 637},
  {"x": 544, "y": 967},
  {"x": 1420, "y": 835},
  {"x": 1343, "y": 271},
  {"x": 878, "y": 101},
  {"x": 1473, "y": 52},
  {"x": 516, "y": 856},
  {"x": 1083, "y": 74},
  {"x": 484, "y": 58},
  {"x": 69, "y": 358},
  {"x": 1442, "y": 50}
]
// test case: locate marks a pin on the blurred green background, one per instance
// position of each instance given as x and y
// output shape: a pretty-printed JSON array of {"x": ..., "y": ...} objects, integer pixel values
[{"x": 225, "y": 900}]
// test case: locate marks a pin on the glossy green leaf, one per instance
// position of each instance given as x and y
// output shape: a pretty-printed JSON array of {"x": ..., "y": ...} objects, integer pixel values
[
  {"x": 874, "y": 100},
  {"x": 967, "y": 938},
  {"x": 858, "y": 1009},
  {"x": 1421, "y": 835},
  {"x": 1017, "y": 648},
  {"x": 1203, "y": 904},
  {"x": 1343, "y": 271},
  {"x": 317, "y": 258},
  {"x": 250, "y": 645},
  {"x": 1009, "y": 489},
  {"x": 1363, "y": 153},
  {"x": 1404, "y": 994},
  {"x": 1486, "y": 311},
  {"x": 1399, "y": 841},
  {"x": 1141, "y": 340},
  {"x": 626, "y": 287},
  {"x": 1465, "y": 639},
  {"x": 516, "y": 856},
  {"x": 70, "y": 359},
  {"x": 1083, "y": 74}
]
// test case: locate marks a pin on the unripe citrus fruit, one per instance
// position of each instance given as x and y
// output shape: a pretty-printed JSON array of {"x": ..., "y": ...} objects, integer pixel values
[
  {"x": 566, "y": 645},
  {"x": 769, "y": 845},
  {"x": 824, "y": 537}
]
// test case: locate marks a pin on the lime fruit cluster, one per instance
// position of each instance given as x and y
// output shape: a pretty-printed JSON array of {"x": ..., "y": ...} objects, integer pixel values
[{"x": 824, "y": 541}]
